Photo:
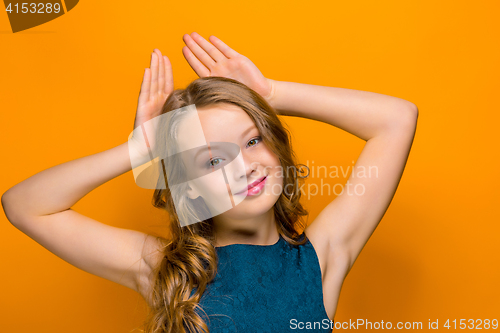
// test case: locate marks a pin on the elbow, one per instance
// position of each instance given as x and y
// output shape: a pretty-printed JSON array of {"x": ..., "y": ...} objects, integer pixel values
[
  {"x": 5, "y": 205},
  {"x": 8, "y": 207},
  {"x": 409, "y": 116},
  {"x": 5, "y": 199},
  {"x": 404, "y": 120},
  {"x": 413, "y": 109}
]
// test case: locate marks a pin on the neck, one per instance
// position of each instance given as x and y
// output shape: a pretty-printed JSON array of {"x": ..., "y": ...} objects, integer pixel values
[{"x": 258, "y": 230}]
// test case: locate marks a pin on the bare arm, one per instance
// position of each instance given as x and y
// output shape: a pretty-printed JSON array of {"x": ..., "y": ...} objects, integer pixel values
[
  {"x": 388, "y": 126},
  {"x": 58, "y": 188},
  {"x": 362, "y": 113},
  {"x": 40, "y": 206}
]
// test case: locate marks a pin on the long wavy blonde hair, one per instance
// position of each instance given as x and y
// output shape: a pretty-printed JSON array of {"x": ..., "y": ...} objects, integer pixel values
[{"x": 189, "y": 257}]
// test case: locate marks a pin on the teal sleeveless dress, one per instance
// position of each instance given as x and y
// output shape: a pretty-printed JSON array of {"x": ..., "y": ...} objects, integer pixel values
[{"x": 266, "y": 288}]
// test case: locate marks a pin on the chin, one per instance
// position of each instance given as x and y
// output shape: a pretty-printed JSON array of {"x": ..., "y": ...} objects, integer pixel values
[
  {"x": 254, "y": 206},
  {"x": 241, "y": 213}
]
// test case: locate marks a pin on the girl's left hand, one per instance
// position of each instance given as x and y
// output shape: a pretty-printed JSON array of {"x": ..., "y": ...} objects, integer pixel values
[{"x": 221, "y": 60}]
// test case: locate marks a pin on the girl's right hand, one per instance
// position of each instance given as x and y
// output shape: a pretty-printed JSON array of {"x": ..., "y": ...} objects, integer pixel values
[{"x": 157, "y": 85}]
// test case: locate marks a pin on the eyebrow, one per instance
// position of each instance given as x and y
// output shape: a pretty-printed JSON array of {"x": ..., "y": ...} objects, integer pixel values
[
  {"x": 215, "y": 146},
  {"x": 247, "y": 130},
  {"x": 205, "y": 148}
]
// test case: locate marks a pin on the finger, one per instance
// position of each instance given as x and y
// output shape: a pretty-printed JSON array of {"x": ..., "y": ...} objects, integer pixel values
[
  {"x": 169, "y": 78},
  {"x": 214, "y": 53},
  {"x": 154, "y": 75},
  {"x": 195, "y": 64},
  {"x": 226, "y": 50},
  {"x": 198, "y": 51},
  {"x": 161, "y": 71},
  {"x": 145, "y": 86}
]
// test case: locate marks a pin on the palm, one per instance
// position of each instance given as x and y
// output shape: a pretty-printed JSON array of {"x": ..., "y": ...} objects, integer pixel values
[
  {"x": 220, "y": 60},
  {"x": 157, "y": 85}
]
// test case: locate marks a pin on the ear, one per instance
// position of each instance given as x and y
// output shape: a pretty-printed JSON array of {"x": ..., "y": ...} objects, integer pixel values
[{"x": 192, "y": 193}]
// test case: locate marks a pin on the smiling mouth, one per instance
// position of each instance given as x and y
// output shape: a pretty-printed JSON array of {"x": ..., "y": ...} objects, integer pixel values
[{"x": 257, "y": 182}]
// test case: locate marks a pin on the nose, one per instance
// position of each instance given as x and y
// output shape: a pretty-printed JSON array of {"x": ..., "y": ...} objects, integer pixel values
[{"x": 250, "y": 167}]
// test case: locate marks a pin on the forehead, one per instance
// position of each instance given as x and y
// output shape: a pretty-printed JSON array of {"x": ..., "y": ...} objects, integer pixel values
[{"x": 218, "y": 123}]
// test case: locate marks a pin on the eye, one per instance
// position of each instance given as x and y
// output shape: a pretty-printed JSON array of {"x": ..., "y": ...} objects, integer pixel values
[
  {"x": 253, "y": 140},
  {"x": 210, "y": 164}
]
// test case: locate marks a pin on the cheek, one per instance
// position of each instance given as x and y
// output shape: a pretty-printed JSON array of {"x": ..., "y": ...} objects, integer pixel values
[
  {"x": 275, "y": 184},
  {"x": 211, "y": 185},
  {"x": 274, "y": 168},
  {"x": 214, "y": 191},
  {"x": 278, "y": 180}
]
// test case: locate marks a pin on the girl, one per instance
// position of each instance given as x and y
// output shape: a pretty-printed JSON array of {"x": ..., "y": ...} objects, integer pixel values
[{"x": 243, "y": 268}]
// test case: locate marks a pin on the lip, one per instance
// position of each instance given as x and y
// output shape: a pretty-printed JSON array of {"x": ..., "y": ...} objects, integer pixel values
[{"x": 253, "y": 185}]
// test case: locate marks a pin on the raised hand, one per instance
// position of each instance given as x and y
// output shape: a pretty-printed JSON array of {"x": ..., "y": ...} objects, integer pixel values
[
  {"x": 218, "y": 59},
  {"x": 157, "y": 85}
]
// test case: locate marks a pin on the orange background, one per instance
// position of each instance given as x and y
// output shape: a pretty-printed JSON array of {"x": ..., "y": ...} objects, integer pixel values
[{"x": 69, "y": 88}]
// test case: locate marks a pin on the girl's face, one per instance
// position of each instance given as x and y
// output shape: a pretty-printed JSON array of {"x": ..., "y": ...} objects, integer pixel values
[{"x": 226, "y": 155}]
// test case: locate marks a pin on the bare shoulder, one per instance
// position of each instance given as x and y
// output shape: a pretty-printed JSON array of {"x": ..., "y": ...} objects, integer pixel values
[{"x": 152, "y": 255}]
